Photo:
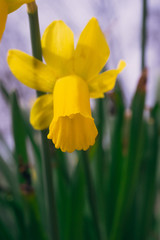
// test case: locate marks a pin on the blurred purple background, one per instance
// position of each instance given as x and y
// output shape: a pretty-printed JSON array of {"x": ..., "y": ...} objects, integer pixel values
[{"x": 121, "y": 23}]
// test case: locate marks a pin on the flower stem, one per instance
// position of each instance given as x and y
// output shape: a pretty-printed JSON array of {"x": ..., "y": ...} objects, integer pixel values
[
  {"x": 50, "y": 204},
  {"x": 34, "y": 30},
  {"x": 144, "y": 33},
  {"x": 92, "y": 195}
]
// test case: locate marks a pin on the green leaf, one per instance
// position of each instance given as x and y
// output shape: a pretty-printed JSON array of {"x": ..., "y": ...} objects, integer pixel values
[
  {"x": 100, "y": 155},
  {"x": 34, "y": 226},
  {"x": 149, "y": 178},
  {"x": 10, "y": 178},
  {"x": 4, "y": 233},
  {"x": 89, "y": 229},
  {"x": 19, "y": 133},
  {"x": 13, "y": 213},
  {"x": 77, "y": 204},
  {"x": 63, "y": 195},
  {"x": 116, "y": 165},
  {"x": 10, "y": 155},
  {"x": 4, "y": 92},
  {"x": 132, "y": 163}
]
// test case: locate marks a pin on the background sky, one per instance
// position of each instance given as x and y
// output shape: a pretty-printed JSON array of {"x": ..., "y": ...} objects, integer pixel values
[{"x": 121, "y": 23}]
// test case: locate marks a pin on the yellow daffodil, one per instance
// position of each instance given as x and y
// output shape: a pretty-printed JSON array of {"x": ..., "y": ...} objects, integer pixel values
[
  {"x": 70, "y": 78},
  {"x": 6, "y": 7}
]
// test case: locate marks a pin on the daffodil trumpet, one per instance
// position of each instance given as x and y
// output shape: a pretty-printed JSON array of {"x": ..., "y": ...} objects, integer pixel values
[
  {"x": 6, "y": 7},
  {"x": 70, "y": 78}
]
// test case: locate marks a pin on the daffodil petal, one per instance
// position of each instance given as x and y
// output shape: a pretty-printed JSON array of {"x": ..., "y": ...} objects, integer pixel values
[
  {"x": 30, "y": 71},
  {"x": 58, "y": 47},
  {"x": 105, "y": 81},
  {"x": 94, "y": 88},
  {"x": 108, "y": 78},
  {"x": 76, "y": 133},
  {"x": 3, "y": 16},
  {"x": 15, "y": 4},
  {"x": 92, "y": 51},
  {"x": 42, "y": 112}
]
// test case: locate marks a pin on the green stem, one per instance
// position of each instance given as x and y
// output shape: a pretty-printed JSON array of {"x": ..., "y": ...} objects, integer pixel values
[
  {"x": 92, "y": 195},
  {"x": 50, "y": 203},
  {"x": 100, "y": 165},
  {"x": 144, "y": 33}
]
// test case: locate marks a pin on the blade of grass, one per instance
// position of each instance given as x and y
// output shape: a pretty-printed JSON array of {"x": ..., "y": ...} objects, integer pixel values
[
  {"x": 32, "y": 217},
  {"x": 89, "y": 229},
  {"x": 4, "y": 233},
  {"x": 63, "y": 197},
  {"x": 4, "y": 144},
  {"x": 4, "y": 91},
  {"x": 116, "y": 164},
  {"x": 19, "y": 133},
  {"x": 100, "y": 165},
  {"x": 149, "y": 189},
  {"x": 10, "y": 178},
  {"x": 63, "y": 165},
  {"x": 9, "y": 202},
  {"x": 92, "y": 197},
  {"x": 100, "y": 161},
  {"x": 132, "y": 163},
  {"x": 77, "y": 204}
]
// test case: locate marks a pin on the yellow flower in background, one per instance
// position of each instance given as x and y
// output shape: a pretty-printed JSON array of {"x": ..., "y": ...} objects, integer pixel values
[
  {"x": 70, "y": 78},
  {"x": 6, "y": 7}
]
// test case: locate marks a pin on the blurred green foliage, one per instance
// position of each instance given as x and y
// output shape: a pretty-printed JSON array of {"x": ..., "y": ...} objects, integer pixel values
[{"x": 110, "y": 192}]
